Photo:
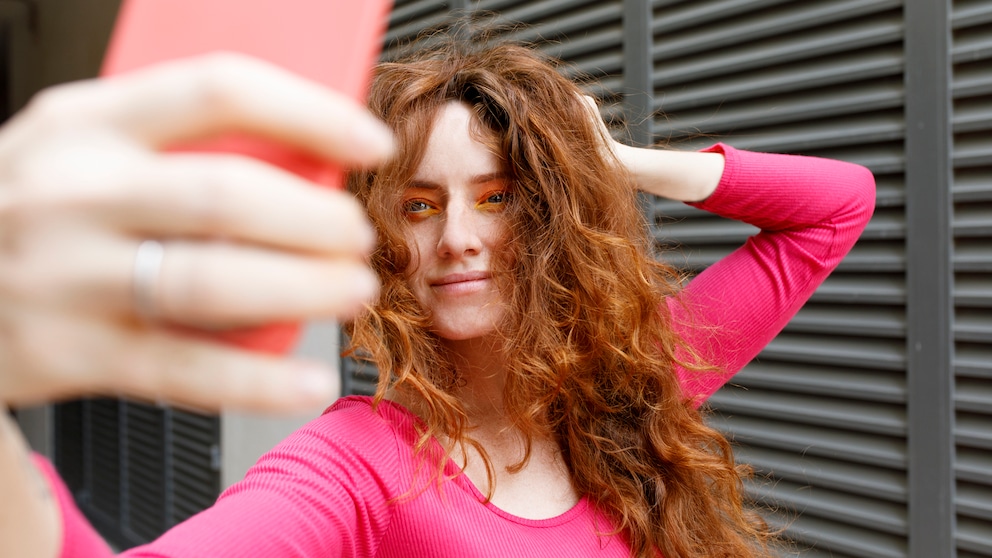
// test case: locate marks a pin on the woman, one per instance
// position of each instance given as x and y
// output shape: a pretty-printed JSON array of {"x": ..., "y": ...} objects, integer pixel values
[{"x": 540, "y": 370}]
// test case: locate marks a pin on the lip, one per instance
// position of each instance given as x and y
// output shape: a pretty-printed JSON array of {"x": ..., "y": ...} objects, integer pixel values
[{"x": 457, "y": 278}]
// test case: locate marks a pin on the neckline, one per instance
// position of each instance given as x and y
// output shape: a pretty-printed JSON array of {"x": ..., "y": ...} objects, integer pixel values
[{"x": 455, "y": 473}]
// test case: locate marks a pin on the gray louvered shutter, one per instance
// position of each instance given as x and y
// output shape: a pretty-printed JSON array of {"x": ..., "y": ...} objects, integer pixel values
[
  {"x": 972, "y": 158},
  {"x": 586, "y": 34},
  {"x": 821, "y": 412},
  {"x": 409, "y": 17},
  {"x": 136, "y": 469}
]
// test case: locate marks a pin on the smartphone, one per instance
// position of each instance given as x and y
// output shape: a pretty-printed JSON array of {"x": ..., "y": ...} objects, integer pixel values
[{"x": 332, "y": 42}]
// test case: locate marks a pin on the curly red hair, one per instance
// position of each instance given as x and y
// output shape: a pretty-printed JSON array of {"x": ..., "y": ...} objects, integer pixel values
[{"x": 592, "y": 353}]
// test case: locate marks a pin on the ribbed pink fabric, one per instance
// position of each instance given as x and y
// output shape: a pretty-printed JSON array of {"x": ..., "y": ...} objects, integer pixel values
[{"x": 336, "y": 487}]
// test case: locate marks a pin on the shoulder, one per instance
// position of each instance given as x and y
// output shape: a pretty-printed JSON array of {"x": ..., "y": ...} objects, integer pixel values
[
  {"x": 359, "y": 416},
  {"x": 352, "y": 439}
]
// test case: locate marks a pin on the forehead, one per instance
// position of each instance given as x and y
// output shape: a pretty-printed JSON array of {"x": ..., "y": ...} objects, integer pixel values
[{"x": 455, "y": 150}]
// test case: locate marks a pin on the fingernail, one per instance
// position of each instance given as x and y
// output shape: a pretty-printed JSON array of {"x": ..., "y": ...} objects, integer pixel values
[
  {"x": 316, "y": 384},
  {"x": 366, "y": 285},
  {"x": 373, "y": 141},
  {"x": 367, "y": 237}
]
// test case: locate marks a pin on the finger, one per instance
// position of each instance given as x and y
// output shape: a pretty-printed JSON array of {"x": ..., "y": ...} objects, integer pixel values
[
  {"x": 232, "y": 197},
  {"x": 76, "y": 266},
  {"x": 224, "y": 285},
  {"x": 98, "y": 357},
  {"x": 196, "y": 98},
  {"x": 165, "y": 367}
]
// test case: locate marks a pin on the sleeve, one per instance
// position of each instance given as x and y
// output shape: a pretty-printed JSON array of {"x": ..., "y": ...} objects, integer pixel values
[
  {"x": 323, "y": 492},
  {"x": 810, "y": 212},
  {"x": 79, "y": 539}
]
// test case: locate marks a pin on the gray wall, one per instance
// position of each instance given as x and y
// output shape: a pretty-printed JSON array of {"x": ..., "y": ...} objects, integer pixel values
[{"x": 245, "y": 437}]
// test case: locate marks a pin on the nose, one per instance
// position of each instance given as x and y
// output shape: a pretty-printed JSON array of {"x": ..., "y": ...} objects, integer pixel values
[{"x": 461, "y": 232}]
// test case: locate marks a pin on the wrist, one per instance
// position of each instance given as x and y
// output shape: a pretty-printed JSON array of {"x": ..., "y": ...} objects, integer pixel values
[{"x": 679, "y": 175}]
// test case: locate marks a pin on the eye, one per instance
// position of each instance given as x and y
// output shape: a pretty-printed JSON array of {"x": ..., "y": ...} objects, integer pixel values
[
  {"x": 418, "y": 209},
  {"x": 496, "y": 198},
  {"x": 415, "y": 206}
]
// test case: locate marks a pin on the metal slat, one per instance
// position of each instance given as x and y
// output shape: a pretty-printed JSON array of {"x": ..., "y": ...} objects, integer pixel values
[
  {"x": 830, "y": 381},
  {"x": 972, "y": 145},
  {"x": 833, "y": 102},
  {"x": 863, "y": 511},
  {"x": 973, "y": 255},
  {"x": 974, "y": 325},
  {"x": 873, "y": 257},
  {"x": 972, "y": 114},
  {"x": 970, "y": 14},
  {"x": 543, "y": 11},
  {"x": 851, "y": 288},
  {"x": 833, "y": 319},
  {"x": 972, "y": 430},
  {"x": 838, "y": 539},
  {"x": 674, "y": 15},
  {"x": 972, "y": 79},
  {"x": 825, "y": 473},
  {"x": 975, "y": 396},
  {"x": 974, "y": 501},
  {"x": 973, "y": 360},
  {"x": 844, "y": 131},
  {"x": 790, "y": 19},
  {"x": 974, "y": 465},
  {"x": 884, "y": 354},
  {"x": 408, "y": 20},
  {"x": 854, "y": 416},
  {"x": 855, "y": 447},
  {"x": 971, "y": 44},
  {"x": 973, "y": 184},
  {"x": 845, "y": 39},
  {"x": 777, "y": 80},
  {"x": 973, "y": 290},
  {"x": 974, "y": 536}
]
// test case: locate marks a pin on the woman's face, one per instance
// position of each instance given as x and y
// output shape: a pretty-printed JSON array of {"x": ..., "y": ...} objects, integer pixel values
[{"x": 454, "y": 207}]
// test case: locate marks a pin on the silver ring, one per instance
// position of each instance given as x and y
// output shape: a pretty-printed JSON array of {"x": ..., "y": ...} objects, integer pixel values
[{"x": 147, "y": 268}]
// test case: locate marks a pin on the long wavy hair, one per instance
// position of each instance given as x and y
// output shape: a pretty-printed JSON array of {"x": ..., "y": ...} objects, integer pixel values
[{"x": 590, "y": 351}]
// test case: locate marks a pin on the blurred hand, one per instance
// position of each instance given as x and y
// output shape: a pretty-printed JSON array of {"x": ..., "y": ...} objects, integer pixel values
[{"x": 83, "y": 182}]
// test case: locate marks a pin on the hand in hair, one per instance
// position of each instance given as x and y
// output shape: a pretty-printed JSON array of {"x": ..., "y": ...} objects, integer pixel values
[{"x": 678, "y": 175}]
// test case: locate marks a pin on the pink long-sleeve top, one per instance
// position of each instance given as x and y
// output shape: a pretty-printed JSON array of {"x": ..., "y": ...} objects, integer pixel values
[{"x": 340, "y": 486}]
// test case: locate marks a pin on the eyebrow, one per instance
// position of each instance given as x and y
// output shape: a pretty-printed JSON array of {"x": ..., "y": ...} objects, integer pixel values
[{"x": 477, "y": 179}]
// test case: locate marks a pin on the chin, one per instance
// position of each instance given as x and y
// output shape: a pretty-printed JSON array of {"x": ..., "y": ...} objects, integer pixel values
[
  {"x": 464, "y": 330},
  {"x": 463, "y": 324},
  {"x": 463, "y": 333}
]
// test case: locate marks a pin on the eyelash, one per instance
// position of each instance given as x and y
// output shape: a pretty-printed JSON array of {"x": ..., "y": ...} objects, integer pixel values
[
  {"x": 504, "y": 196},
  {"x": 419, "y": 209},
  {"x": 408, "y": 206}
]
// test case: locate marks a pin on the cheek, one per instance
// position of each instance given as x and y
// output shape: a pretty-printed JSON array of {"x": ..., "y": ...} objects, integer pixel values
[
  {"x": 501, "y": 241},
  {"x": 417, "y": 243}
]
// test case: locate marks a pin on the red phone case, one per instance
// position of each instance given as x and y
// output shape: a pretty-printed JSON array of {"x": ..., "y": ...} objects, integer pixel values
[{"x": 333, "y": 42}]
